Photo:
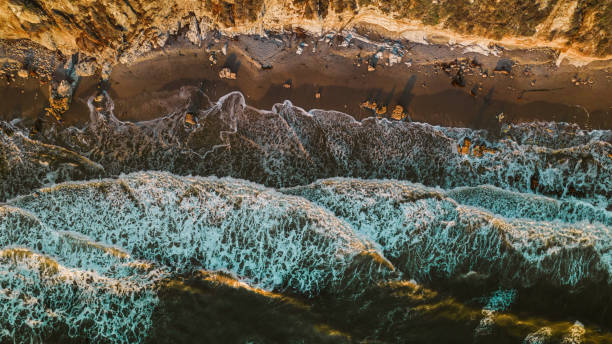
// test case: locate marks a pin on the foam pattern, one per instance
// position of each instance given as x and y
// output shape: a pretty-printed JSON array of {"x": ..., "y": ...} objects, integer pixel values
[
  {"x": 55, "y": 282},
  {"x": 83, "y": 259},
  {"x": 191, "y": 223},
  {"x": 289, "y": 146},
  {"x": 526, "y": 205},
  {"x": 26, "y": 164},
  {"x": 430, "y": 236}
]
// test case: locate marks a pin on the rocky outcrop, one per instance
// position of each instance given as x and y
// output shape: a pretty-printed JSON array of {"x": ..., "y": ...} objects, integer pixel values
[{"x": 118, "y": 31}]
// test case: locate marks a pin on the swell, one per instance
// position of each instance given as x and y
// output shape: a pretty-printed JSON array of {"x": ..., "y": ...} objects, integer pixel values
[
  {"x": 430, "y": 236},
  {"x": 526, "y": 208},
  {"x": 73, "y": 252},
  {"x": 85, "y": 260}
]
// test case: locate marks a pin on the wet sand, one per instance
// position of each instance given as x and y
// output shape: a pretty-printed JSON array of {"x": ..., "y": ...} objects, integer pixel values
[{"x": 534, "y": 89}]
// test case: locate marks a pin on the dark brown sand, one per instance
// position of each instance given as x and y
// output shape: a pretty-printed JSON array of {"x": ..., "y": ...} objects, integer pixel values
[{"x": 535, "y": 89}]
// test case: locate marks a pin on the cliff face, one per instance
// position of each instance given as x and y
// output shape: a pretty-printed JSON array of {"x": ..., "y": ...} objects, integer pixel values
[{"x": 118, "y": 30}]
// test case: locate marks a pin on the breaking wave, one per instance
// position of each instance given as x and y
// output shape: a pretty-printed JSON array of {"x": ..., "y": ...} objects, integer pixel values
[
  {"x": 429, "y": 235},
  {"x": 116, "y": 238},
  {"x": 324, "y": 205},
  {"x": 289, "y": 146}
]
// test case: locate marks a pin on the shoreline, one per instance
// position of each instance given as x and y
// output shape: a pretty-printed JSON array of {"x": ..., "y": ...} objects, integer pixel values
[{"x": 524, "y": 85}]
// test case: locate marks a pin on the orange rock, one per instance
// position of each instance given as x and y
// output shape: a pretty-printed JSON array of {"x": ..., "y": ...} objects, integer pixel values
[
  {"x": 190, "y": 119},
  {"x": 476, "y": 151},
  {"x": 369, "y": 105},
  {"x": 381, "y": 110},
  {"x": 398, "y": 113},
  {"x": 465, "y": 149}
]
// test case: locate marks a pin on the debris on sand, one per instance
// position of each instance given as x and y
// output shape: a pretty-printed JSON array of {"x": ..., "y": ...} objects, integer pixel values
[
  {"x": 474, "y": 91},
  {"x": 504, "y": 66},
  {"x": 458, "y": 80},
  {"x": 227, "y": 73},
  {"x": 300, "y": 48},
  {"x": 212, "y": 58},
  {"x": 394, "y": 59}
]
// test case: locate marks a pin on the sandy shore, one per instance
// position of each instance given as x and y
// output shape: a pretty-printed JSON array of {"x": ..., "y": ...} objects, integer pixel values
[{"x": 529, "y": 86}]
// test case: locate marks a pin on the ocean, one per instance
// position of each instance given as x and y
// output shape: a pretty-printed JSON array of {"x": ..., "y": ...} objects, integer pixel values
[{"x": 223, "y": 223}]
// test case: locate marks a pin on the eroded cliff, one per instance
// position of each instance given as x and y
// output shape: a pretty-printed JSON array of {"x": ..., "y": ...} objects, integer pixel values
[{"x": 117, "y": 31}]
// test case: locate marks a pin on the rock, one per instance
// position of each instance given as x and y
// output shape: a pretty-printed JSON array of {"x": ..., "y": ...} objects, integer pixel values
[
  {"x": 300, "y": 48},
  {"x": 161, "y": 39},
  {"x": 394, "y": 59},
  {"x": 64, "y": 89},
  {"x": 86, "y": 68},
  {"x": 287, "y": 84},
  {"x": 105, "y": 73},
  {"x": 465, "y": 148},
  {"x": 371, "y": 68},
  {"x": 369, "y": 105},
  {"x": 317, "y": 95},
  {"x": 189, "y": 119},
  {"x": 226, "y": 73},
  {"x": 193, "y": 35},
  {"x": 90, "y": 33},
  {"x": 22, "y": 73},
  {"x": 224, "y": 49},
  {"x": 398, "y": 113}
]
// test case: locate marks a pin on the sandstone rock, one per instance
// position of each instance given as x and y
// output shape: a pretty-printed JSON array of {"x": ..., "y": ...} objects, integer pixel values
[
  {"x": 189, "y": 119},
  {"x": 398, "y": 113},
  {"x": 227, "y": 73},
  {"x": 369, "y": 105},
  {"x": 22, "y": 73},
  {"x": 213, "y": 59},
  {"x": 193, "y": 35},
  {"x": 132, "y": 26}
]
